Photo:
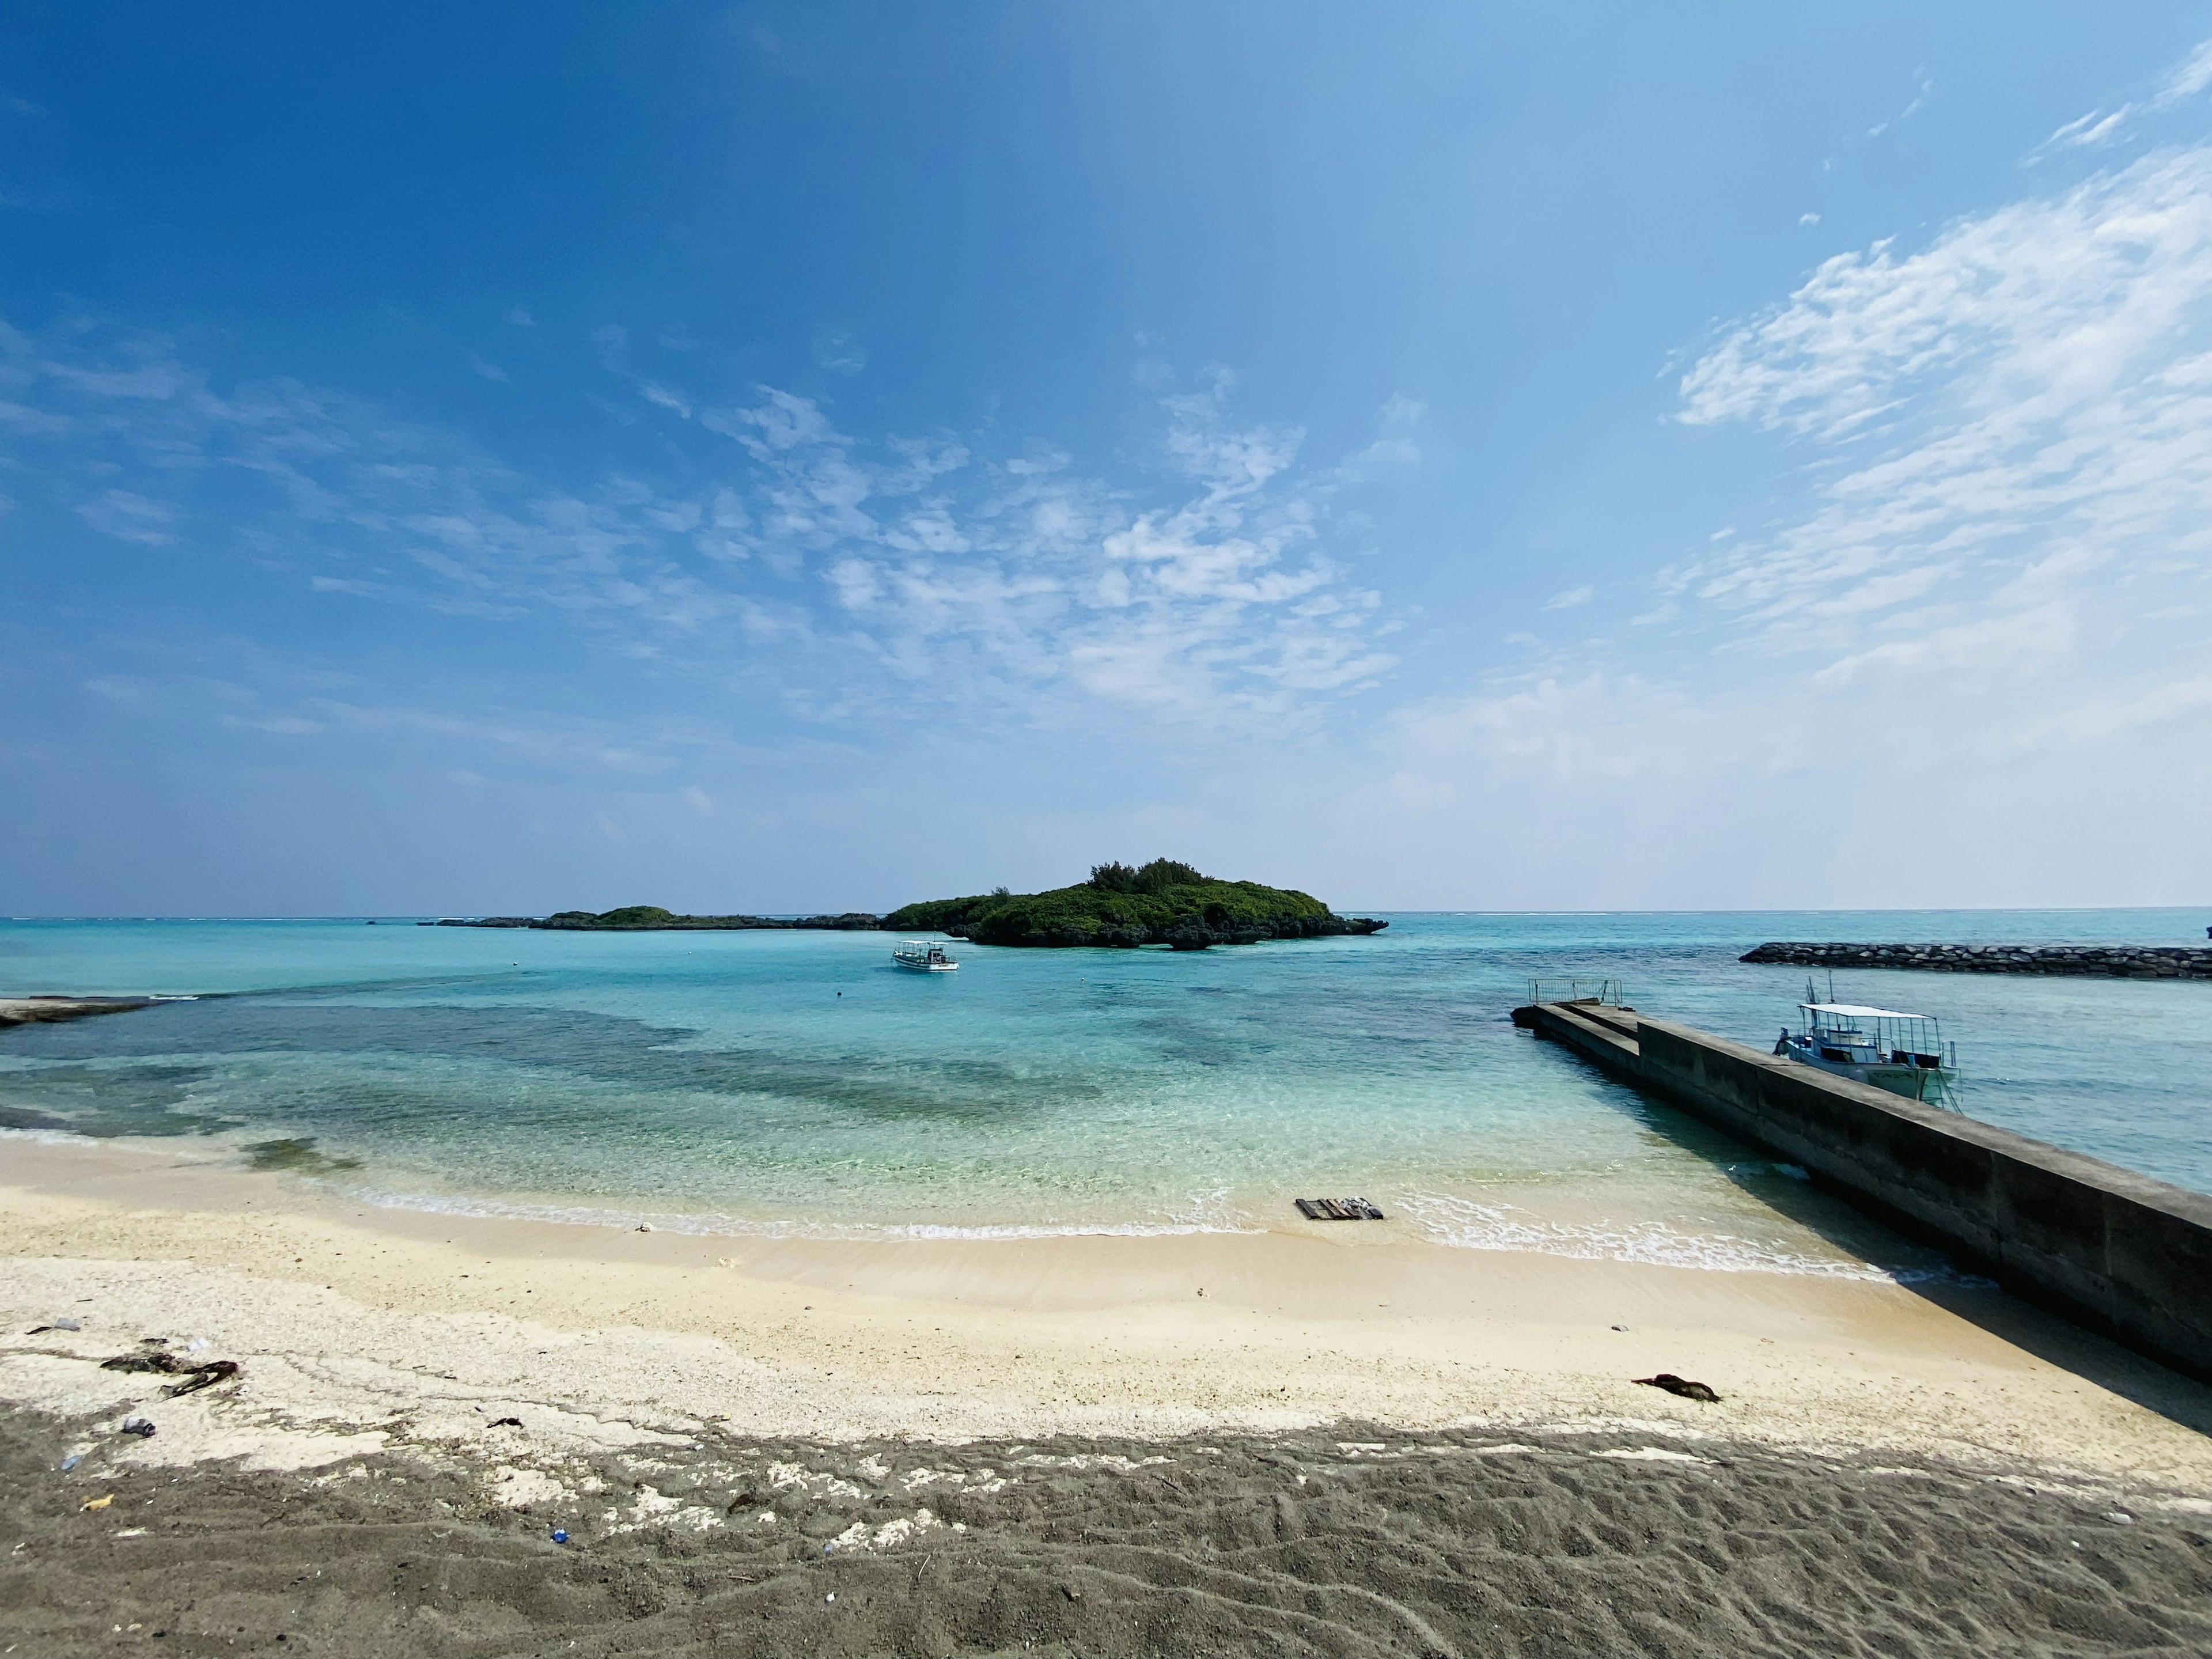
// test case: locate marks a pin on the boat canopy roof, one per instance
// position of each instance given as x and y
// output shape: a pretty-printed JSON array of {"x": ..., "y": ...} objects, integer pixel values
[{"x": 1852, "y": 1011}]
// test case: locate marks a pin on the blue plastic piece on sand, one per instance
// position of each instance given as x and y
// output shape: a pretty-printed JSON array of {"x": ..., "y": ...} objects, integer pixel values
[
  {"x": 560, "y": 1534},
  {"x": 72, "y": 1462}
]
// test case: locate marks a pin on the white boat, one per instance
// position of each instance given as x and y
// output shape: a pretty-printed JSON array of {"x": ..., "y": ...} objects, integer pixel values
[
  {"x": 1901, "y": 1052},
  {"x": 924, "y": 955}
]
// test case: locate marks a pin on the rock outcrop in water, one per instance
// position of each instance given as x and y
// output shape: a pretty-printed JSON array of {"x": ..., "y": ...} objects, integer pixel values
[
  {"x": 2096, "y": 961},
  {"x": 1165, "y": 903}
]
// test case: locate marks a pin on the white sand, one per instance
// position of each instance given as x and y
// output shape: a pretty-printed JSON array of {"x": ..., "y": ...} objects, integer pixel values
[{"x": 361, "y": 1328}]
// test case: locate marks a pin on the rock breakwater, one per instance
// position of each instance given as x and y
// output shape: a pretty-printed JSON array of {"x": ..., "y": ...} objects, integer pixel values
[{"x": 2093, "y": 960}]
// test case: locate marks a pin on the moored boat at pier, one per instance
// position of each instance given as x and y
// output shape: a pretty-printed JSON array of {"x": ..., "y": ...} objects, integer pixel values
[{"x": 1902, "y": 1053}]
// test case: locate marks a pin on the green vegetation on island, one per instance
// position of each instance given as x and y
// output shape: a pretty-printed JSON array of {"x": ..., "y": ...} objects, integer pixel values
[{"x": 1162, "y": 902}]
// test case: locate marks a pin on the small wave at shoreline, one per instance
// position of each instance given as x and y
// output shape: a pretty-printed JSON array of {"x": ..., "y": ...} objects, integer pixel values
[
  {"x": 727, "y": 1226},
  {"x": 50, "y": 1137},
  {"x": 1464, "y": 1223}
]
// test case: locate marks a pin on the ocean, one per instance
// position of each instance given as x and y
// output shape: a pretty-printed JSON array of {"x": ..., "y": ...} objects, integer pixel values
[{"x": 797, "y": 1083}]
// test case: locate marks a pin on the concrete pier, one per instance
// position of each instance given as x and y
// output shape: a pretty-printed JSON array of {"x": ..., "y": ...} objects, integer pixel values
[
  {"x": 2094, "y": 960},
  {"x": 2119, "y": 1252}
]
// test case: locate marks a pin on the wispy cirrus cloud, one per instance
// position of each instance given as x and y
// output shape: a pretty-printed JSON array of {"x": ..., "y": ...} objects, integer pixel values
[
  {"x": 1924, "y": 89},
  {"x": 1984, "y": 587},
  {"x": 2100, "y": 127},
  {"x": 2022, "y": 412},
  {"x": 862, "y": 579}
]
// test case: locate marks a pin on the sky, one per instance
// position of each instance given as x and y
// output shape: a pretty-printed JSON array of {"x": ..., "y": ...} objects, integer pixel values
[{"x": 778, "y": 458}]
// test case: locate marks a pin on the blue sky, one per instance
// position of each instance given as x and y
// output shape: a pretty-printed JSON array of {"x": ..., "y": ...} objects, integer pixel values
[{"x": 783, "y": 457}]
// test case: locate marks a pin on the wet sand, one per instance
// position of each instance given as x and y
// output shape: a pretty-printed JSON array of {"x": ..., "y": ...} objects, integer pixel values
[{"x": 657, "y": 1379}]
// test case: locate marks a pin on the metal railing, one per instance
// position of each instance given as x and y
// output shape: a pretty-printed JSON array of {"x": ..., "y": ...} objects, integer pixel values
[{"x": 1605, "y": 991}]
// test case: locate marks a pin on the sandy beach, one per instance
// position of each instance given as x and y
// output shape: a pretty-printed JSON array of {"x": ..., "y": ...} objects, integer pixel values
[{"x": 632, "y": 1388}]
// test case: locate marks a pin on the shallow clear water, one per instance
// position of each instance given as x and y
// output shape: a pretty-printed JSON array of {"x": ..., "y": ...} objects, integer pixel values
[{"x": 799, "y": 1081}]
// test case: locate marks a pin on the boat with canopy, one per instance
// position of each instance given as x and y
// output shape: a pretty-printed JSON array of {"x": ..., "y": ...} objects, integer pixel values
[
  {"x": 1902, "y": 1053},
  {"x": 923, "y": 955}
]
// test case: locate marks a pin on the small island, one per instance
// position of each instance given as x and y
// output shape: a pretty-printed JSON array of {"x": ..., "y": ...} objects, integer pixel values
[{"x": 1162, "y": 902}]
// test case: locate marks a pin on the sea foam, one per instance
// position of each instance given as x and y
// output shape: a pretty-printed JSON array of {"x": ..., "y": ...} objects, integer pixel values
[
  {"x": 1469, "y": 1225},
  {"x": 730, "y": 1226}
]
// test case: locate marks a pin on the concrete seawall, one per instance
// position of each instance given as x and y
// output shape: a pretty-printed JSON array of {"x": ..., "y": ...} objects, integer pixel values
[
  {"x": 2119, "y": 1252},
  {"x": 2095, "y": 961}
]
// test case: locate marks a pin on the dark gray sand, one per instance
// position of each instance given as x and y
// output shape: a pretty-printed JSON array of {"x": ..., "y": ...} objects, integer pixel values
[{"x": 1435, "y": 1544}]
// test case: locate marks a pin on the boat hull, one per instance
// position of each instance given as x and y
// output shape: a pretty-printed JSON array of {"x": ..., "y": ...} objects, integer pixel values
[
  {"x": 1929, "y": 1084},
  {"x": 923, "y": 956}
]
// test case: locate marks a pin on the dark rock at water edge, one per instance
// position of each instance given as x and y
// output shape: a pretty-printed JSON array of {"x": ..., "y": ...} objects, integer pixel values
[{"x": 2091, "y": 961}]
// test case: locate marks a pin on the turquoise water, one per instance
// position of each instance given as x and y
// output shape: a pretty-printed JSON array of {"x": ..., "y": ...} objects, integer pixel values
[{"x": 799, "y": 1082}]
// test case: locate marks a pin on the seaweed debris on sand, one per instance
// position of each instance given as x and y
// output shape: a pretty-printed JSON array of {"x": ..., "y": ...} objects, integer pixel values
[{"x": 1162, "y": 902}]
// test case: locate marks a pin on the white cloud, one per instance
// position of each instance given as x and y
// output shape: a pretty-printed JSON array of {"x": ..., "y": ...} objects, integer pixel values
[
  {"x": 2106, "y": 717},
  {"x": 1961, "y": 659},
  {"x": 2065, "y": 291},
  {"x": 130, "y": 517},
  {"x": 1925, "y": 89},
  {"x": 2185, "y": 79},
  {"x": 2090, "y": 132},
  {"x": 2100, "y": 127},
  {"x": 848, "y": 579},
  {"x": 839, "y": 353},
  {"x": 2025, "y": 411},
  {"x": 485, "y": 368},
  {"x": 599, "y": 746},
  {"x": 1567, "y": 599}
]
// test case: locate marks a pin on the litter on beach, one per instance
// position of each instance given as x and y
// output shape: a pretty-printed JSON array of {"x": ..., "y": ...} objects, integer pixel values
[
  {"x": 1337, "y": 1209},
  {"x": 1679, "y": 1385},
  {"x": 152, "y": 1359}
]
